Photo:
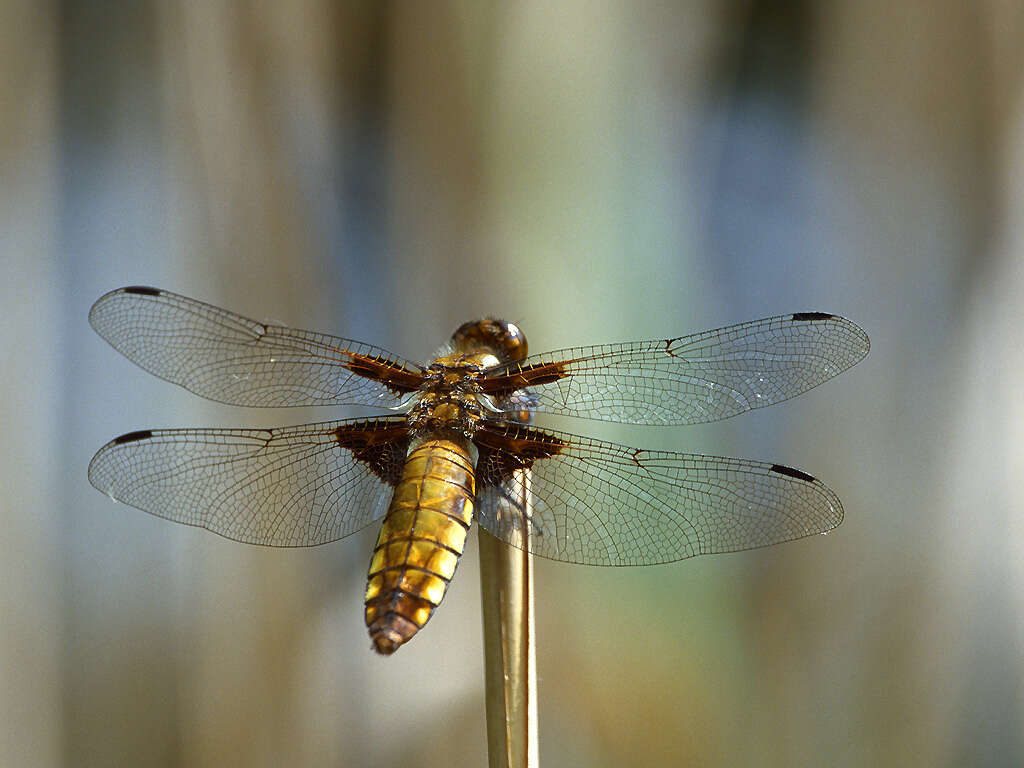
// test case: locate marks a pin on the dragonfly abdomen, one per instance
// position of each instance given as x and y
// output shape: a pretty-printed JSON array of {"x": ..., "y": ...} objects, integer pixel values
[{"x": 421, "y": 539}]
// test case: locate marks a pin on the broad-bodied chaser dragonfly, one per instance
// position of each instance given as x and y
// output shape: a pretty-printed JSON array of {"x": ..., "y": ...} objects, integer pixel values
[{"x": 457, "y": 445}]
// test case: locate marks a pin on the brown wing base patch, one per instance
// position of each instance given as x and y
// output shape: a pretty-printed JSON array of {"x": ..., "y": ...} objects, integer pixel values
[
  {"x": 520, "y": 377},
  {"x": 395, "y": 377},
  {"x": 379, "y": 444},
  {"x": 506, "y": 448}
]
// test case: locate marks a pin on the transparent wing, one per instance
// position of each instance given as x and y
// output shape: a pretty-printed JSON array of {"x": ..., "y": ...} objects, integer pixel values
[
  {"x": 599, "y": 503},
  {"x": 291, "y": 487},
  {"x": 232, "y": 359},
  {"x": 691, "y": 379}
]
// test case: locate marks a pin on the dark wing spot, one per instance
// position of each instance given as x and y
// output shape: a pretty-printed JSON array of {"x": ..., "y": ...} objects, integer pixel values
[
  {"x": 131, "y": 437},
  {"x": 808, "y": 316},
  {"x": 380, "y": 445},
  {"x": 142, "y": 290},
  {"x": 779, "y": 469}
]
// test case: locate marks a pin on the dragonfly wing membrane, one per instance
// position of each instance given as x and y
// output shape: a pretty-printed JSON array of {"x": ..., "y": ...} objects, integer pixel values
[
  {"x": 599, "y": 503},
  {"x": 290, "y": 487},
  {"x": 229, "y": 358},
  {"x": 691, "y": 379}
]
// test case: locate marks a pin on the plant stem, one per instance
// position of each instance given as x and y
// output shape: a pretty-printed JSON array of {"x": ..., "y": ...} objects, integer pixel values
[{"x": 506, "y": 584}]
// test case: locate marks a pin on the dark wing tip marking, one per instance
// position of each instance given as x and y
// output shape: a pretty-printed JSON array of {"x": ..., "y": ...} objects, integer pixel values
[
  {"x": 131, "y": 437},
  {"x": 142, "y": 290},
  {"x": 781, "y": 469},
  {"x": 808, "y": 316}
]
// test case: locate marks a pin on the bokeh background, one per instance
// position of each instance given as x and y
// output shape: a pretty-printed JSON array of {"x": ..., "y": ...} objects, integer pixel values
[{"x": 595, "y": 171}]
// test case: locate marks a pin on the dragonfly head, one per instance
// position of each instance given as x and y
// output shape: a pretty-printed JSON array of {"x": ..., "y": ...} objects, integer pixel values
[{"x": 500, "y": 337}]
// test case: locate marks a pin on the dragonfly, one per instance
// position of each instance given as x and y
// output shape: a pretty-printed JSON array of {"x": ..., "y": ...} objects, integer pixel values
[{"x": 456, "y": 443}]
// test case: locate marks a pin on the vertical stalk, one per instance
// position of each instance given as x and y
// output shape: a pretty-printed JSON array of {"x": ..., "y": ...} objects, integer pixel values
[{"x": 506, "y": 584}]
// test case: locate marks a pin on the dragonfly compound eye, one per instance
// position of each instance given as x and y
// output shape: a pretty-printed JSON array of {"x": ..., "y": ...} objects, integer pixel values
[{"x": 490, "y": 334}]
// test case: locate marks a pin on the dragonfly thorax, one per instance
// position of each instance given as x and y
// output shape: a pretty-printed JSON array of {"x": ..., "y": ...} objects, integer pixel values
[{"x": 455, "y": 412}]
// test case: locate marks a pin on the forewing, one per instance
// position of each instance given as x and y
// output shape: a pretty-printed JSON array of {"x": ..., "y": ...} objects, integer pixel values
[
  {"x": 232, "y": 359},
  {"x": 690, "y": 379},
  {"x": 599, "y": 503},
  {"x": 290, "y": 487}
]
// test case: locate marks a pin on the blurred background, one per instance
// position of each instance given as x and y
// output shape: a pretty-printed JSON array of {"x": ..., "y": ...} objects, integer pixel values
[{"x": 600, "y": 171}]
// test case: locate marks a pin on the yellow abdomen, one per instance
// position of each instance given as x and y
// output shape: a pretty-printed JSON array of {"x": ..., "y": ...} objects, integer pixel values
[{"x": 421, "y": 540}]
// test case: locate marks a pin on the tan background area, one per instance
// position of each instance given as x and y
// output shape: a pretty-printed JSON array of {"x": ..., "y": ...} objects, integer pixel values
[{"x": 594, "y": 172}]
